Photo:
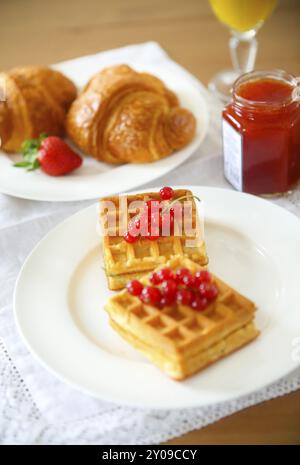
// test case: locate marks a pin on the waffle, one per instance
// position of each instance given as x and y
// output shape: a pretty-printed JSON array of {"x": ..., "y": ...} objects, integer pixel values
[
  {"x": 123, "y": 261},
  {"x": 178, "y": 339}
]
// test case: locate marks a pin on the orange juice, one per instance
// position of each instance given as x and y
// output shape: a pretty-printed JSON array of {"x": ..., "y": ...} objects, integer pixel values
[{"x": 242, "y": 15}]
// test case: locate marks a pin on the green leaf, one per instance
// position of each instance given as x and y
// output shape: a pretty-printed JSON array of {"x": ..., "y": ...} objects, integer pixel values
[
  {"x": 31, "y": 156},
  {"x": 30, "y": 150},
  {"x": 29, "y": 145},
  {"x": 21, "y": 164},
  {"x": 35, "y": 165}
]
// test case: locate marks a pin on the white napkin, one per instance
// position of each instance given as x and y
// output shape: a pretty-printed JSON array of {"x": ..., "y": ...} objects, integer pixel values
[{"x": 35, "y": 407}]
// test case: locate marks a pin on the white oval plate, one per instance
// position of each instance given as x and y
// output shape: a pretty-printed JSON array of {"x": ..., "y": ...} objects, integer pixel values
[
  {"x": 95, "y": 179},
  {"x": 59, "y": 297}
]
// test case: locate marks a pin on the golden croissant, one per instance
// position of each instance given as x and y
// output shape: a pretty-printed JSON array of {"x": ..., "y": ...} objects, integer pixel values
[
  {"x": 36, "y": 100},
  {"x": 124, "y": 116}
]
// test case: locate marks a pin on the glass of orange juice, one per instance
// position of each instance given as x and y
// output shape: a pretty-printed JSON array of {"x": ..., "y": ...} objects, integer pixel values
[{"x": 244, "y": 18}]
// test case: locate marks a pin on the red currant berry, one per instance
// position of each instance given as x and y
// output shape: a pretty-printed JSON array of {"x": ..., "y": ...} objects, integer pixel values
[
  {"x": 184, "y": 297},
  {"x": 209, "y": 291},
  {"x": 130, "y": 238},
  {"x": 154, "y": 279},
  {"x": 150, "y": 295},
  {"x": 163, "y": 302},
  {"x": 164, "y": 274},
  {"x": 166, "y": 301},
  {"x": 203, "y": 288},
  {"x": 212, "y": 292},
  {"x": 181, "y": 273},
  {"x": 166, "y": 193},
  {"x": 199, "y": 303},
  {"x": 169, "y": 288},
  {"x": 188, "y": 280},
  {"x": 133, "y": 227},
  {"x": 134, "y": 287},
  {"x": 203, "y": 276}
]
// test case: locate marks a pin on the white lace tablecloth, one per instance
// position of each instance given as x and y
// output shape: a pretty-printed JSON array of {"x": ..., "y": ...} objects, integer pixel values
[{"x": 35, "y": 407}]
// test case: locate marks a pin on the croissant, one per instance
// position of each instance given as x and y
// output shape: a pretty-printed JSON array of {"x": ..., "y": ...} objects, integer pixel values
[
  {"x": 36, "y": 100},
  {"x": 124, "y": 116}
]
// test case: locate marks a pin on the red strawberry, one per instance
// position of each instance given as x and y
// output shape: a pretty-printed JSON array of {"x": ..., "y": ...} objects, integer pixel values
[{"x": 51, "y": 154}]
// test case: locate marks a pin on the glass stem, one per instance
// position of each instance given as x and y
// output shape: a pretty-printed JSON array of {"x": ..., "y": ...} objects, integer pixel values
[{"x": 243, "y": 48}]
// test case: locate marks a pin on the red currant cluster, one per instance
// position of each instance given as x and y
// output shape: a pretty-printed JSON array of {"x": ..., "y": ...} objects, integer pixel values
[
  {"x": 152, "y": 220},
  {"x": 182, "y": 287}
]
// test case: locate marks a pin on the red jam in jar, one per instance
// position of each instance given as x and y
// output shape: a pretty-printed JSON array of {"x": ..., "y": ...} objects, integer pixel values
[{"x": 261, "y": 133}]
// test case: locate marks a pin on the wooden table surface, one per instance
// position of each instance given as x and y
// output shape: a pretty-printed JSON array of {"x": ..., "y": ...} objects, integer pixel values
[{"x": 35, "y": 32}]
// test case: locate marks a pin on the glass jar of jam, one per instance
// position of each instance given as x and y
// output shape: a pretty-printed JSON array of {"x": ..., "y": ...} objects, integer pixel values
[{"x": 261, "y": 133}]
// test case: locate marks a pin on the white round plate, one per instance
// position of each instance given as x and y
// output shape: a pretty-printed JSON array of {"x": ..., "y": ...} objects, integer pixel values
[
  {"x": 59, "y": 297},
  {"x": 95, "y": 179}
]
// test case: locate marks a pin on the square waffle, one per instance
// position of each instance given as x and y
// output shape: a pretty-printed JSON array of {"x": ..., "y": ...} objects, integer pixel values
[
  {"x": 123, "y": 261},
  {"x": 178, "y": 339}
]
